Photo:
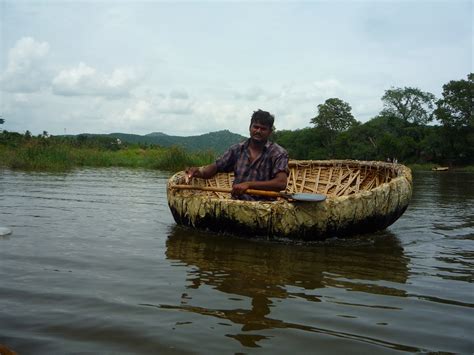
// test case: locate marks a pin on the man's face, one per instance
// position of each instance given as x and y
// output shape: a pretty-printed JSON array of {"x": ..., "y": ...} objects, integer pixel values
[{"x": 259, "y": 132}]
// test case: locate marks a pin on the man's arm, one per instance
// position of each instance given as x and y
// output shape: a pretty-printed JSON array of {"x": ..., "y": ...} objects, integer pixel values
[
  {"x": 203, "y": 172},
  {"x": 278, "y": 183},
  {"x": 226, "y": 163}
]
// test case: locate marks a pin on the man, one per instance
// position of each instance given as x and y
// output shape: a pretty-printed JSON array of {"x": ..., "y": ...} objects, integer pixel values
[{"x": 257, "y": 163}]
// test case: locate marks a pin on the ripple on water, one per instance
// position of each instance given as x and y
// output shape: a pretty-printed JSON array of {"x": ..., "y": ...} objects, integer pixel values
[{"x": 96, "y": 264}]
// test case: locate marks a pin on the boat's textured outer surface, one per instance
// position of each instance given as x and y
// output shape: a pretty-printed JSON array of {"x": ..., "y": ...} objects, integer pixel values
[{"x": 361, "y": 197}]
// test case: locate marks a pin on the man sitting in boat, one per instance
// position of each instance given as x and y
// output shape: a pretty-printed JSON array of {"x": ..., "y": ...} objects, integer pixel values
[{"x": 257, "y": 163}]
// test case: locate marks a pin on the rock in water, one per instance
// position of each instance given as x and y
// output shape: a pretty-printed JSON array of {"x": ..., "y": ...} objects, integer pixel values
[{"x": 4, "y": 231}]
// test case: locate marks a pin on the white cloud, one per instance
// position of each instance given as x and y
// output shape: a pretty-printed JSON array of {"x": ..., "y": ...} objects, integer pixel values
[
  {"x": 174, "y": 106},
  {"x": 315, "y": 92},
  {"x": 251, "y": 94},
  {"x": 328, "y": 88},
  {"x": 155, "y": 111},
  {"x": 25, "y": 71},
  {"x": 138, "y": 111},
  {"x": 20, "y": 98},
  {"x": 212, "y": 115},
  {"x": 179, "y": 94},
  {"x": 189, "y": 115},
  {"x": 217, "y": 67},
  {"x": 84, "y": 80}
]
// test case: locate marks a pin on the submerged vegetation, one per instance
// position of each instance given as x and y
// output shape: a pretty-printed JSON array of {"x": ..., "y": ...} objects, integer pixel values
[{"x": 44, "y": 152}]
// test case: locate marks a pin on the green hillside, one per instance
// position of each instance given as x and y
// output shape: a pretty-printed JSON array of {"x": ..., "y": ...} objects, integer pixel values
[{"x": 216, "y": 141}]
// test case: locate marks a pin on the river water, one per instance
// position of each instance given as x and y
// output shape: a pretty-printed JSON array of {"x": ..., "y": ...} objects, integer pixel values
[{"x": 95, "y": 263}]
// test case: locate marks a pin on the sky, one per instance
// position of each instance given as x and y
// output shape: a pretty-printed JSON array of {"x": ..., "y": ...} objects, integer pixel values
[{"x": 189, "y": 68}]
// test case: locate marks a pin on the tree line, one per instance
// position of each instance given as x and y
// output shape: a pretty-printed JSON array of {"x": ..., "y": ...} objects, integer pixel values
[{"x": 413, "y": 127}]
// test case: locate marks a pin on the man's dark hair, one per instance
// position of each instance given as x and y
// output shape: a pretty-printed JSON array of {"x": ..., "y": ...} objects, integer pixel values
[{"x": 263, "y": 117}]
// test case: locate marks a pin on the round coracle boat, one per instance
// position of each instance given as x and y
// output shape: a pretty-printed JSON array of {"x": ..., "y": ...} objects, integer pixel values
[{"x": 361, "y": 197}]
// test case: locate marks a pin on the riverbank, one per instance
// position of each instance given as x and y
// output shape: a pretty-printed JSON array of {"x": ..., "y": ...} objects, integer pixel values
[
  {"x": 45, "y": 153},
  {"x": 61, "y": 157},
  {"x": 430, "y": 167}
]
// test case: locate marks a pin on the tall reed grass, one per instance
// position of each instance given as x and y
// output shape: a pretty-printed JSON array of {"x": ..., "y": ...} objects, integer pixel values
[{"x": 37, "y": 155}]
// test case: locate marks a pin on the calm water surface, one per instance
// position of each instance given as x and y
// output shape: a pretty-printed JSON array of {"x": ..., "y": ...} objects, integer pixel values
[{"x": 96, "y": 264}]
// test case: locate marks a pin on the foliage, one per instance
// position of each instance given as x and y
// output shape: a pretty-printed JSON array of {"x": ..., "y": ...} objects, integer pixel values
[
  {"x": 217, "y": 141},
  {"x": 44, "y": 152},
  {"x": 98, "y": 142},
  {"x": 298, "y": 142},
  {"x": 422, "y": 167},
  {"x": 409, "y": 104},
  {"x": 176, "y": 158},
  {"x": 455, "y": 109},
  {"x": 398, "y": 132},
  {"x": 334, "y": 115},
  {"x": 455, "y": 112}
]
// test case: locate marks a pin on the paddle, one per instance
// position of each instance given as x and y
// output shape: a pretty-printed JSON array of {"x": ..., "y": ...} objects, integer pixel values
[{"x": 305, "y": 197}]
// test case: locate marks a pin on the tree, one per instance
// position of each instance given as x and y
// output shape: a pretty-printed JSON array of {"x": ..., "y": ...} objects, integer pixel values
[
  {"x": 334, "y": 115},
  {"x": 455, "y": 112},
  {"x": 455, "y": 109},
  {"x": 2, "y": 121},
  {"x": 301, "y": 143},
  {"x": 409, "y": 104}
]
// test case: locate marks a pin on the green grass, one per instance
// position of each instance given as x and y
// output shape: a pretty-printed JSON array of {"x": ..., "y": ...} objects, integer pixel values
[
  {"x": 36, "y": 155},
  {"x": 422, "y": 167},
  {"x": 60, "y": 155}
]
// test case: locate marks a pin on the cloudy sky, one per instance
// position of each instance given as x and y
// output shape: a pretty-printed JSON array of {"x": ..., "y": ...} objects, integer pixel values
[{"x": 188, "y": 68}]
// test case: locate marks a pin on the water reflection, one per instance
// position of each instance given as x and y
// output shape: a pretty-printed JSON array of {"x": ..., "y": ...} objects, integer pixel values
[
  {"x": 267, "y": 273},
  {"x": 447, "y": 200},
  {"x": 453, "y": 187},
  {"x": 440, "y": 224}
]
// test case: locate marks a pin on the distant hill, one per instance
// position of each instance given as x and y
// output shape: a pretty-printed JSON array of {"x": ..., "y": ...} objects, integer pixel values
[
  {"x": 156, "y": 134},
  {"x": 217, "y": 141}
]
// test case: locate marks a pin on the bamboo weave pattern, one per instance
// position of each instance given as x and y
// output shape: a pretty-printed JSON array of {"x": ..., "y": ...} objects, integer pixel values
[{"x": 333, "y": 178}]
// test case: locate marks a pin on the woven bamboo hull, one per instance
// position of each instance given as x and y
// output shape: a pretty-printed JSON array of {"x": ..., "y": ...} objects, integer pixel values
[{"x": 362, "y": 197}]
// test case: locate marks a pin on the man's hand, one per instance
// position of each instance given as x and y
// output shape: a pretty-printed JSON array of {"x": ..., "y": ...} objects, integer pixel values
[
  {"x": 278, "y": 183},
  {"x": 191, "y": 173},
  {"x": 239, "y": 189},
  {"x": 203, "y": 172}
]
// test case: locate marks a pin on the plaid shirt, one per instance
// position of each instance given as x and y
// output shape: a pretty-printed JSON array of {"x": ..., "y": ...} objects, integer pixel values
[{"x": 273, "y": 160}]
